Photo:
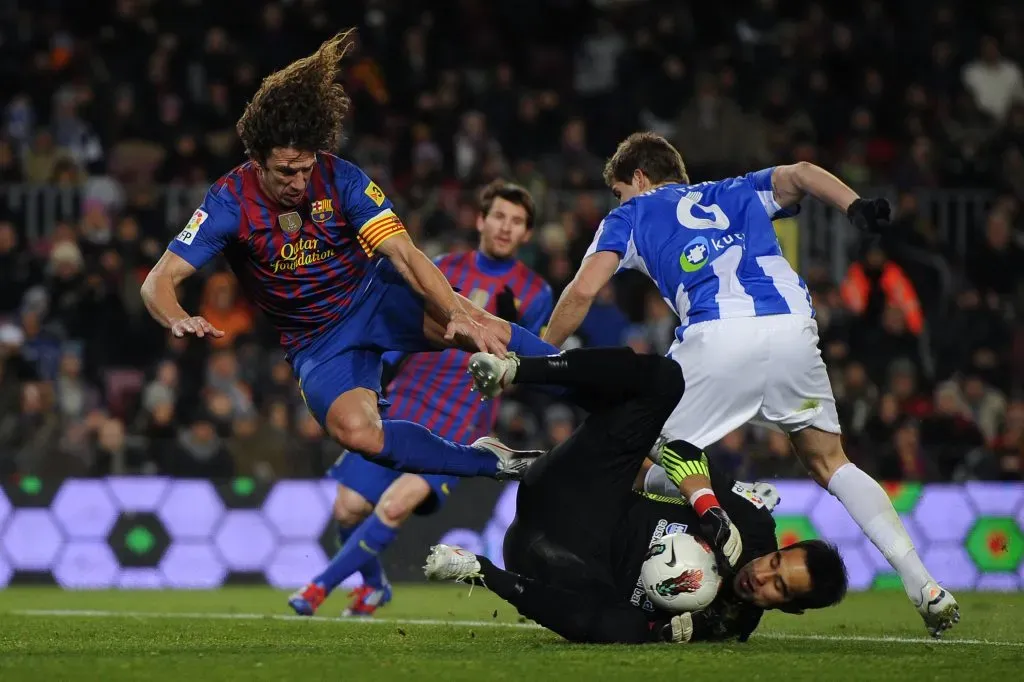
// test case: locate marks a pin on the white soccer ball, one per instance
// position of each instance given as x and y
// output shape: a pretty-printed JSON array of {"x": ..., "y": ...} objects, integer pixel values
[{"x": 680, "y": 574}]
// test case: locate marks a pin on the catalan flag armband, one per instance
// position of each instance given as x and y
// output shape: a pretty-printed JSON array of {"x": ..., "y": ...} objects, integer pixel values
[{"x": 378, "y": 230}]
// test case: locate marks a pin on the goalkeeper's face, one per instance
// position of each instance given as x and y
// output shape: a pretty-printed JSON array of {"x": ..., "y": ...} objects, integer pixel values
[{"x": 773, "y": 580}]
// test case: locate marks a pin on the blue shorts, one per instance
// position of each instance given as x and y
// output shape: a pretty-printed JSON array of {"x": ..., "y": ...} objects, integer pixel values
[
  {"x": 388, "y": 315},
  {"x": 370, "y": 480}
]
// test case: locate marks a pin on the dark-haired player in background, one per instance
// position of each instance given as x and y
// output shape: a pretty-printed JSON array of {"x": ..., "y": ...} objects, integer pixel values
[
  {"x": 316, "y": 246},
  {"x": 581, "y": 534},
  {"x": 432, "y": 389}
]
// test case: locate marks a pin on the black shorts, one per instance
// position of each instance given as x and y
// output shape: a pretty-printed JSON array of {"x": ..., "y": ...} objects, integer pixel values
[{"x": 572, "y": 498}]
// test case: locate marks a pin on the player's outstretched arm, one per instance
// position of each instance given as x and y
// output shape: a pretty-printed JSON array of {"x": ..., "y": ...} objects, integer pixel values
[
  {"x": 574, "y": 303},
  {"x": 791, "y": 183},
  {"x": 429, "y": 282},
  {"x": 161, "y": 299}
]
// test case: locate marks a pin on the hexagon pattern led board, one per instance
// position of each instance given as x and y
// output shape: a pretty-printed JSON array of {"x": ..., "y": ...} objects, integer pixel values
[{"x": 157, "y": 533}]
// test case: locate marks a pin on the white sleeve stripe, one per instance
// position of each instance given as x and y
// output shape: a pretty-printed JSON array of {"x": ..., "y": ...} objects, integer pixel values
[{"x": 767, "y": 198}]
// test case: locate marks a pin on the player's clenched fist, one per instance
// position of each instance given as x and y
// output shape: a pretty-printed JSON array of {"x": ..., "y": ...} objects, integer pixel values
[{"x": 195, "y": 325}]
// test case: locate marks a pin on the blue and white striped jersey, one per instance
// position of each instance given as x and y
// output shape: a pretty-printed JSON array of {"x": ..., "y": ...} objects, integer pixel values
[{"x": 711, "y": 249}]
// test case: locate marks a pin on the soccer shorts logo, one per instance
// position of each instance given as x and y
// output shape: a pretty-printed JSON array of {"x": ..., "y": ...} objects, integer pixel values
[
  {"x": 375, "y": 193},
  {"x": 188, "y": 234}
]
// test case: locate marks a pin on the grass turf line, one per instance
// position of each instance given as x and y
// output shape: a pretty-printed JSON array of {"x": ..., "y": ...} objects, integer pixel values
[{"x": 843, "y": 643}]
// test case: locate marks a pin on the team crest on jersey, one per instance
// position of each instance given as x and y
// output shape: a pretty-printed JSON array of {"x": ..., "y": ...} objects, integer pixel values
[
  {"x": 695, "y": 255},
  {"x": 479, "y": 297},
  {"x": 322, "y": 210},
  {"x": 375, "y": 193},
  {"x": 290, "y": 222},
  {"x": 676, "y": 528}
]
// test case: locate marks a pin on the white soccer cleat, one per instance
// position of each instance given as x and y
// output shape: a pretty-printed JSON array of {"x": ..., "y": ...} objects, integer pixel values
[
  {"x": 451, "y": 563},
  {"x": 938, "y": 608},
  {"x": 491, "y": 374},
  {"x": 512, "y": 464}
]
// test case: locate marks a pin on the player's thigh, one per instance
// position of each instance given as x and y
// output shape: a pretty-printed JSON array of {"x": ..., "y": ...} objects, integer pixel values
[
  {"x": 361, "y": 484},
  {"x": 400, "y": 316},
  {"x": 798, "y": 393},
  {"x": 724, "y": 367},
  {"x": 342, "y": 389}
]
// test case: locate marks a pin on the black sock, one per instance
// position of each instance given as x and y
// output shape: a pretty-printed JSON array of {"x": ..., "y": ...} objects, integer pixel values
[
  {"x": 589, "y": 368},
  {"x": 505, "y": 584}
]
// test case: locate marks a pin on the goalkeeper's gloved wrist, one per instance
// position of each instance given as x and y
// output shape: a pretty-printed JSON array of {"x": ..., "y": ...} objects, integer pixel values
[{"x": 721, "y": 532}]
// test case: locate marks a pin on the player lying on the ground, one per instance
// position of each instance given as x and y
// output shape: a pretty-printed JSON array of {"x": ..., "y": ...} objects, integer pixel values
[
  {"x": 316, "y": 246},
  {"x": 431, "y": 388},
  {"x": 581, "y": 533},
  {"x": 747, "y": 338}
]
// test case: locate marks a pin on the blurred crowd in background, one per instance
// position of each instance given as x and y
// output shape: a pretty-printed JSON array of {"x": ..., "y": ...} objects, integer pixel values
[{"x": 122, "y": 105}]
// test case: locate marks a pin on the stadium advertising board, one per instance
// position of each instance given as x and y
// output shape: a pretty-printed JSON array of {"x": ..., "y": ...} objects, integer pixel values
[{"x": 148, "y": 532}]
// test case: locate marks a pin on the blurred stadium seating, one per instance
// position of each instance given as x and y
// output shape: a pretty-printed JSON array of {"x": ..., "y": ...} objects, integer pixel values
[{"x": 117, "y": 115}]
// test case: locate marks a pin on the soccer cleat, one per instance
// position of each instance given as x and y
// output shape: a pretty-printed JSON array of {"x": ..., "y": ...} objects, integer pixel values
[
  {"x": 366, "y": 599},
  {"x": 446, "y": 562},
  {"x": 938, "y": 608},
  {"x": 512, "y": 464},
  {"x": 306, "y": 601},
  {"x": 492, "y": 374}
]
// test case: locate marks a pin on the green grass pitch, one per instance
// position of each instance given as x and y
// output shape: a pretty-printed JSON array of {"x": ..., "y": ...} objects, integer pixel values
[{"x": 444, "y": 633}]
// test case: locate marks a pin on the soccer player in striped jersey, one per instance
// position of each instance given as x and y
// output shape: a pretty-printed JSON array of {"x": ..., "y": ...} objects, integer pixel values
[
  {"x": 432, "y": 389},
  {"x": 317, "y": 247},
  {"x": 747, "y": 339}
]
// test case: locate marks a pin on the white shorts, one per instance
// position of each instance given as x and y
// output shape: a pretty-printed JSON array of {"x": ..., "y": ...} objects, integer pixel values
[{"x": 767, "y": 369}]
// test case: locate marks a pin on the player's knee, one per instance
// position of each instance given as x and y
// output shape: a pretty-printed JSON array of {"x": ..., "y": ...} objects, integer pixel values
[
  {"x": 402, "y": 498},
  {"x": 356, "y": 431},
  {"x": 350, "y": 508}
]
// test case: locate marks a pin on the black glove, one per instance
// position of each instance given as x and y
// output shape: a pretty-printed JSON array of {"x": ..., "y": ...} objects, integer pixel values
[
  {"x": 869, "y": 215},
  {"x": 718, "y": 529},
  {"x": 506, "y": 303}
]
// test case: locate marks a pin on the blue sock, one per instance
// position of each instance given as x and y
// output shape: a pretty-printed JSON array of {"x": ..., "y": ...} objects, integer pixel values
[
  {"x": 365, "y": 543},
  {"x": 524, "y": 343},
  {"x": 414, "y": 448},
  {"x": 372, "y": 571}
]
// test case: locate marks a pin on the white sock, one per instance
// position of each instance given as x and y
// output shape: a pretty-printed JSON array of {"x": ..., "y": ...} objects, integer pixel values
[{"x": 870, "y": 507}]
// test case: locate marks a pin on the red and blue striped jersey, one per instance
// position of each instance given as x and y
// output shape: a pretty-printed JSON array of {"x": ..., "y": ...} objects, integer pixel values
[
  {"x": 432, "y": 389},
  {"x": 302, "y": 266}
]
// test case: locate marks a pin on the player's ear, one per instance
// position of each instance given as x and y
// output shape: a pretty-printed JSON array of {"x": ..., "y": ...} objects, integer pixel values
[
  {"x": 792, "y": 610},
  {"x": 480, "y": 218}
]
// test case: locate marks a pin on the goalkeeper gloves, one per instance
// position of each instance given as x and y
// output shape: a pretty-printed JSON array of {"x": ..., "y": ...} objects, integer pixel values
[
  {"x": 506, "y": 303},
  {"x": 869, "y": 215},
  {"x": 719, "y": 530},
  {"x": 678, "y": 630}
]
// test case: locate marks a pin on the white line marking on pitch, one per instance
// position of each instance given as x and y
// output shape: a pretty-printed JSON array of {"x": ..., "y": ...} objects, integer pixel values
[{"x": 71, "y": 613}]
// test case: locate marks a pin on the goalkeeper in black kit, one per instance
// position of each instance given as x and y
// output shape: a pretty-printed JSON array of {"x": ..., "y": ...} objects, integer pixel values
[{"x": 581, "y": 533}]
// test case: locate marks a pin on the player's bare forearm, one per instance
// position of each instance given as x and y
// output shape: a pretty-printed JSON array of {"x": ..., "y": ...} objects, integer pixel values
[
  {"x": 791, "y": 183},
  {"x": 568, "y": 315},
  {"x": 159, "y": 290},
  {"x": 574, "y": 303},
  {"x": 421, "y": 274}
]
